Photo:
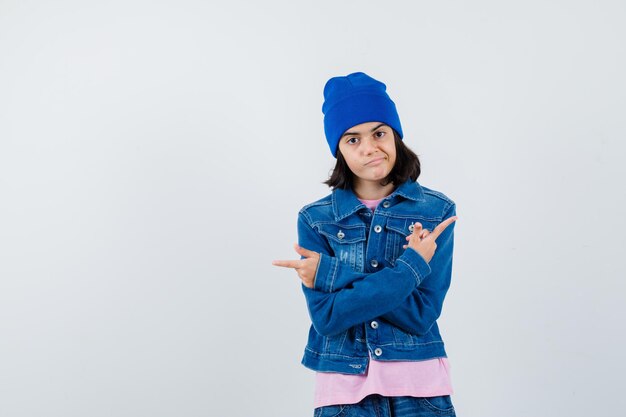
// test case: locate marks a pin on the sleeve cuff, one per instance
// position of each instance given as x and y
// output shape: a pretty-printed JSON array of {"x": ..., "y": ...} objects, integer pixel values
[
  {"x": 416, "y": 263},
  {"x": 325, "y": 274}
]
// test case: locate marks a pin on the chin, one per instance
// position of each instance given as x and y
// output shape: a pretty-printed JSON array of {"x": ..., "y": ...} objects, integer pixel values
[
  {"x": 382, "y": 176},
  {"x": 378, "y": 177}
]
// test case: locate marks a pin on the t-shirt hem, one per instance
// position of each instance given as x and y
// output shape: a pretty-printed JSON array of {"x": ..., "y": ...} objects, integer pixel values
[{"x": 342, "y": 400}]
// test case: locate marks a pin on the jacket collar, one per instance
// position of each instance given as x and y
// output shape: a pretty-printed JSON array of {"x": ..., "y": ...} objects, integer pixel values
[{"x": 345, "y": 202}]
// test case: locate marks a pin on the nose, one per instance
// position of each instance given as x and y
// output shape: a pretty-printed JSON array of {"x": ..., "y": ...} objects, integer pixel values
[{"x": 368, "y": 145}]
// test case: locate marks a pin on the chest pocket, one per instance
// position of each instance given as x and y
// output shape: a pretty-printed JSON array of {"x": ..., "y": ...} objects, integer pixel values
[
  {"x": 397, "y": 231},
  {"x": 347, "y": 241}
]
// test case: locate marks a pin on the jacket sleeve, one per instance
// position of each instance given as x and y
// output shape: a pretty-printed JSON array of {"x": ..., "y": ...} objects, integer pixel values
[
  {"x": 362, "y": 296},
  {"x": 417, "y": 313}
]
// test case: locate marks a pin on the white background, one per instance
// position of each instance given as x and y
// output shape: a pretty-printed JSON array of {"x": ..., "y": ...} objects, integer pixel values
[{"x": 154, "y": 155}]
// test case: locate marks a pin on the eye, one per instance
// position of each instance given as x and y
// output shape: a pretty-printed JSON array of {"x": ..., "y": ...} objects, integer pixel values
[
  {"x": 352, "y": 140},
  {"x": 380, "y": 133}
]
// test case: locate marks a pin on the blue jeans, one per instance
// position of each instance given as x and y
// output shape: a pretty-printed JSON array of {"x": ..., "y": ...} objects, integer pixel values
[{"x": 379, "y": 406}]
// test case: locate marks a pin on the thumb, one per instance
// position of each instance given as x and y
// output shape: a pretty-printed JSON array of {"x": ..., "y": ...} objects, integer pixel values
[{"x": 304, "y": 252}]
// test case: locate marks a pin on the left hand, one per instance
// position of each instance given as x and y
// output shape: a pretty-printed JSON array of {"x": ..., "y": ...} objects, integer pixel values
[
  {"x": 423, "y": 241},
  {"x": 306, "y": 268},
  {"x": 422, "y": 235}
]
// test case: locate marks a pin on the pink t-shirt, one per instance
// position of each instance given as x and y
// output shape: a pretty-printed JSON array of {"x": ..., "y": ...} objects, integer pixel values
[{"x": 426, "y": 378}]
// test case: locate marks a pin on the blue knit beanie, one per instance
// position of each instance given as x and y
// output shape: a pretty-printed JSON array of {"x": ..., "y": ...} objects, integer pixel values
[{"x": 354, "y": 99}]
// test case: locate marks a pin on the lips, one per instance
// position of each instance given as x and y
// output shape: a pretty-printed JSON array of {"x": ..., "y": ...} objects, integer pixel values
[{"x": 375, "y": 161}]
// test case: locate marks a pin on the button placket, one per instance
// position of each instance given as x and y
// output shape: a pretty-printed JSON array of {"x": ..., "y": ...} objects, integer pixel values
[{"x": 374, "y": 239}]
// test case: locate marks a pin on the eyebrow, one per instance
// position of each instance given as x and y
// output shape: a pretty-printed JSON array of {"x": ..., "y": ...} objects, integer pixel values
[{"x": 358, "y": 134}]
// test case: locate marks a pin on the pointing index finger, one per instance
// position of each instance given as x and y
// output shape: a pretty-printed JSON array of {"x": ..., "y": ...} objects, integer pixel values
[
  {"x": 442, "y": 226},
  {"x": 288, "y": 264}
]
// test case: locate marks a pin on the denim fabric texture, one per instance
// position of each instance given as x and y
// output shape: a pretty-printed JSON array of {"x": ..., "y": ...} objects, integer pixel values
[
  {"x": 371, "y": 297},
  {"x": 379, "y": 406}
]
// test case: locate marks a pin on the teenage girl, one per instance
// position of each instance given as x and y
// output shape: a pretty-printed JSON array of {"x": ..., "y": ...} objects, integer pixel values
[{"x": 376, "y": 263}]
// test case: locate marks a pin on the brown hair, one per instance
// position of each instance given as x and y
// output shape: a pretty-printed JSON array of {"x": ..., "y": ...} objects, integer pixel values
[{"x": 407, "y": 166}]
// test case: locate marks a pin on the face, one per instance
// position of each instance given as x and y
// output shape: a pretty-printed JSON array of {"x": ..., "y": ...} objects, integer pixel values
[{"x": 369, "y": 150}]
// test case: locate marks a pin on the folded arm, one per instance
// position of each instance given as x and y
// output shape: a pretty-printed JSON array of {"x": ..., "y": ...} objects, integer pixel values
[{"x": 342, "y": 297}]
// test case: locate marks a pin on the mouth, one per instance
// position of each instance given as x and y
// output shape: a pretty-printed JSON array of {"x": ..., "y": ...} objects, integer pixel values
[{"x": 376, "y": 161}]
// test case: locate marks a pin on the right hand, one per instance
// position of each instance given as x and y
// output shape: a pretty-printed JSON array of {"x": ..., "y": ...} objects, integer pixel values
[
  {"x": 423, "y": 241},
  {"x": 306, "y": 268}
]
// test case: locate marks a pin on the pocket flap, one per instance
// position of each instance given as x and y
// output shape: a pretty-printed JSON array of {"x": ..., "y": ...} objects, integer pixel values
[
  {"x": 343, "y": 234},
  {"x": 404, "y": 226},
  {"x": 399, "y": 226}
]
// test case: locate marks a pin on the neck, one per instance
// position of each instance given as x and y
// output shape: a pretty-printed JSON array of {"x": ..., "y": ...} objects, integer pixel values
[{"x": 372, "y": 190}]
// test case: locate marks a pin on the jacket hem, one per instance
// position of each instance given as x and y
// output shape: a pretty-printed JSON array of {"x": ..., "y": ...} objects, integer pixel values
[{"x": 321, "y": 362}]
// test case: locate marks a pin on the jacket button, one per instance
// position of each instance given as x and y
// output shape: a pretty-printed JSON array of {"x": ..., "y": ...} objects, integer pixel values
[
  {"x": 411, "y": 227},
  {"x": 374, "y": 325},
  {"x": 377, "y": 228},
  {"x": 386, "y": 204},
  {"x": 378, "y": 351},
  {"x": 374, "y": 263},
  {"x": 340, "y": 235}
]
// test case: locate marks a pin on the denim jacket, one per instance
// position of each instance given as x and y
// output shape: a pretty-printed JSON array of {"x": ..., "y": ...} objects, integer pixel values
[{"x": 372, "y": 298}]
